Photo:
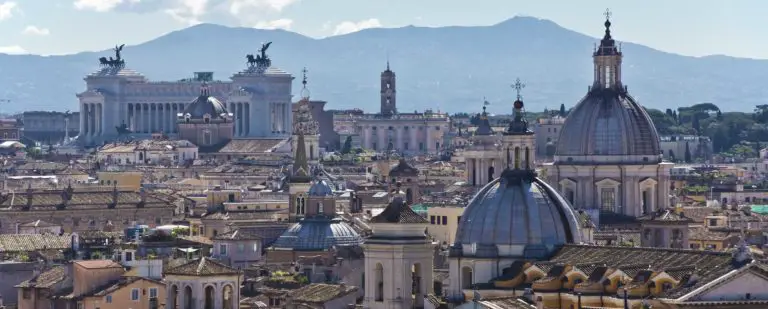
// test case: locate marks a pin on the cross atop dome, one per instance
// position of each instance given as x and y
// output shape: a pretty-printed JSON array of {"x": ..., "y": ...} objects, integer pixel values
[{"x": 518, "y": 86}]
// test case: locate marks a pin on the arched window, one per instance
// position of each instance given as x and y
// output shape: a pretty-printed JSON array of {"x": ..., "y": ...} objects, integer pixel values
[{"x": 319, "y": 208}]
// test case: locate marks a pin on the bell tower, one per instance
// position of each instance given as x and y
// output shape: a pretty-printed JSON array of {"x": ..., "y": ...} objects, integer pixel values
[
  {"x": 388, "y": 93},
  {"x": 607, "y": 61}
]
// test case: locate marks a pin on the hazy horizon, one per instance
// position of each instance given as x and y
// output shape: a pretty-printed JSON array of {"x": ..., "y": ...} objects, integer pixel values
[{"x": 708, "y": 27}]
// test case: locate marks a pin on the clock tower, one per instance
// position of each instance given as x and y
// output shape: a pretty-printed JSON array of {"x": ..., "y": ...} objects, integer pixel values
[{"x": 388, "y": 93}]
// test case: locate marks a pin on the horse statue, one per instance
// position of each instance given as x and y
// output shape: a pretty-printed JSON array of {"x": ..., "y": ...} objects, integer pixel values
[
  {"x": 251, "y": 61},
  {"x": 103, "y": 61}
]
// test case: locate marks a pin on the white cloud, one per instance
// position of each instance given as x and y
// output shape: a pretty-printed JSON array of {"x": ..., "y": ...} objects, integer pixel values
[
  {"x": 34, "y": 30},
  {"x": 97, "y": 5},
  {"x": 350, "y": 26},
  {"x": 247, "y": 12},
  {"x": 236, "y": 7},
  {"x": 188, "y": 11},
  {"x": 6, "y": 9},
  {"x": 13, "y": 50},
  {"x": 282, "y": 23}
]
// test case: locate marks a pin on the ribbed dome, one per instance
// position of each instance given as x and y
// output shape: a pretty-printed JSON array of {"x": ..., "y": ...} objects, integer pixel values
[
  {"x": 608, "y": 123},
  {"x": 516, "y": 215},
  {"x": 314, "y": 234},
  {"x": 205, "y": 104}
]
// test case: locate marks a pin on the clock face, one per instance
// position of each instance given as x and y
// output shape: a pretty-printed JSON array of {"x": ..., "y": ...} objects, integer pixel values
[{"x": 388, "y": 91}]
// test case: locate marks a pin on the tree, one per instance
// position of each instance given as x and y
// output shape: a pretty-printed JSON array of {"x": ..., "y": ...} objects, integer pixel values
[
  {"x": 695, "y": 124},
  {"x": 669, "y": 112},
  {"x": 687, "y": 152},
  {"x": 347, "y": 145},
  {"x": 562, "y": 110}
]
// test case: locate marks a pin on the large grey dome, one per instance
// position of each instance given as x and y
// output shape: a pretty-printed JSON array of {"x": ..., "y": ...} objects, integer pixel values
[
  {"x": 516, "y": 215},
  {"x": 607, "y": 126},
  {"x": 205, "y": 104},
  {"x": 316, "y": 234}
]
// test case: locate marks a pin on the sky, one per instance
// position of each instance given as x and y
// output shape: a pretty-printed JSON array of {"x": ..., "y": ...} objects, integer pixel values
[{"x": 687, "y": 27}]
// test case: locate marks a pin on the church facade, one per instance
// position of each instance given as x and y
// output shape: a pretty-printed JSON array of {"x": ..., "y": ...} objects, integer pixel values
[
  {"x": 391, "y": 130},
  {"x": 118, "y": 100}
]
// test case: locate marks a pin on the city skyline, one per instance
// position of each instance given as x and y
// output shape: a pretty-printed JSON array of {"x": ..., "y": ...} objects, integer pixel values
[{"x": 30, "y": 26}]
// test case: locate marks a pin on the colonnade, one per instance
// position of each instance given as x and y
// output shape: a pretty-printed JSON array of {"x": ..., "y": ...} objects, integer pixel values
[
  {"x": 402, "y": 138},
  {"x": 152, "y": 117},
  {"x": 91, "y": 119}
]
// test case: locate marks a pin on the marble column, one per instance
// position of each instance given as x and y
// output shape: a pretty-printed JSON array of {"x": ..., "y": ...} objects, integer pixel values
[
  {"x": 92, "y": 119},
  {"x": 399, "y": 138},
  {"x": 429, "y": 139},
  {"x": 413, "y": 131},
  {"x": 247, "y": 119},
  {"x": 83, "y": 119}
]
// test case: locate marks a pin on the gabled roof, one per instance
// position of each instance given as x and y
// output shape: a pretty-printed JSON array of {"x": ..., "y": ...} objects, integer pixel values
[
  {"x": 203, "y": 267},
  {"x": 238, "y": 235},
  {"x": 320, "y": 293},
  {"x": 45, "y": 279},
  {"x": 398, "y": 212},
  {"x": 403, "y": 169}
]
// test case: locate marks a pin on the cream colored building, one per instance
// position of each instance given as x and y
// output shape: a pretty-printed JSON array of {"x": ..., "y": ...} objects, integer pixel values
[
  {"x": 443, "y": 222},
  {"x": 258, "y": 97},
  {"x": 398, "y": 259},
  {"x": 149, "y": 151}
]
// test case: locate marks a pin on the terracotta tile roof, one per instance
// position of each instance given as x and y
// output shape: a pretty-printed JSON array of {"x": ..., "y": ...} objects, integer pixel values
[
  {"x": 666, "y": 215},
  {"x": 38, "y": 223},
  {"x": 202, "y": 267},
  {"x": 403, "y": 169},
  {"x": 238, "y": 234},
  {"x": 250, "y": 146},
  {"x": 320, "y": 293},
  {"x": 34, "y": 242},
  {"x": 706, "y": 265},
  {"x": 198, "y": 239},
  {"x": 98, "y": 264},
  {"x": 398, "y": 212},
  {"x": 703, "y": 233},
  {"x": 46, "y": 279},
  {"x": 505, "y": 303}
]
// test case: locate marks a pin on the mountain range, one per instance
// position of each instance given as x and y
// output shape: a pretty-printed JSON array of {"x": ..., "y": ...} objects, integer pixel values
[{"x": 446, "y": 68}]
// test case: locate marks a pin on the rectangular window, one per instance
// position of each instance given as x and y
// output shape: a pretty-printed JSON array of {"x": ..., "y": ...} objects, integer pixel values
[
  {"x": 26, "y": 293},
  {"x": 445, "y": 220},
  {"x": 608, "y": 199},
  {"x": 135, "y": 294},
  {"x": 431, "y": 219},
  {"x": 128, "y": 256},
  {"x": 240, "y": 247},
  {"x": 152, "y": 292},
  {"x": 80, "y": 306},
  {"x": 223, "y": 249},
  {"x": 109, "y": 299}
]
